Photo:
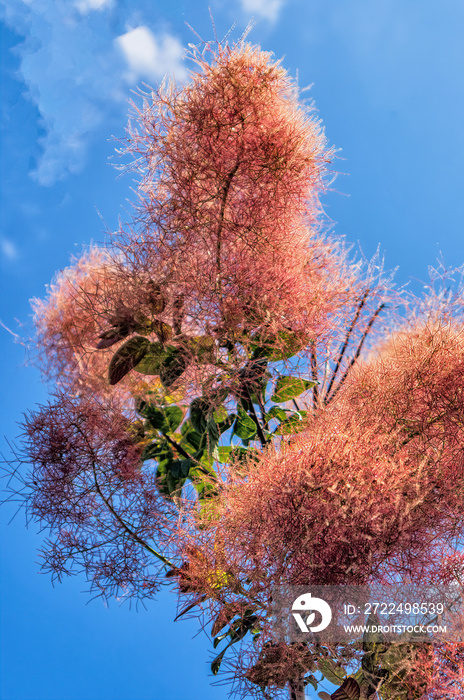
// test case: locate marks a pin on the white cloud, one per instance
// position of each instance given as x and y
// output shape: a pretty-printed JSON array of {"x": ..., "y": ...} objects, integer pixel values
[
  {"x": 65, "y": 143},
  {"x": 148, "y": 56},
  {"x": 8, "y": 249},
  {"x": 72, "y": 74},
  {"x": 85, "y": 6},
  {"x": 268, "y": 9},
  {"x": 75, "y": 74}
]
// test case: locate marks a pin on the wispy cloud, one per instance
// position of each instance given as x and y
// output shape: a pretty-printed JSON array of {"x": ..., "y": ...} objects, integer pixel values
[
  {"x": 148, "y": 56},
  {"x": 85, "y": 6},
  {"x": 267, "y": 9},
  {"x": 76, "y": 65},
  {"x": 8, "y": 249}
]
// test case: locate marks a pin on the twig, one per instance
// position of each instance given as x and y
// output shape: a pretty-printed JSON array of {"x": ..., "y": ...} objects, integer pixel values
[
  {"x": 297, "y": 691},
  {"x": 125, "y": 526},
  {"x": 220, "y": 226},
  {"x": 116, "y": 515},
  {"x": 314, "y": 376},
  {"x": 356, "y": 355},
  {"x": 259, "y": 429},
  {"x": 347, "y": 340}
]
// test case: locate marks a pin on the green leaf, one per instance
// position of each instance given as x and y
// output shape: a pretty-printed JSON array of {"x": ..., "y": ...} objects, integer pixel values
[
  {"x": 202, "y": 446},
  {"x": 186, "y": 427},
  {"x": 162, "y": 330},
  {"x": 201, "y": 417},
  {"x": 243, "y": 455},
  {"x": 219, "y": 638},
  {"x": 253, "y": 380},
  {"x": 179, "y": 468},
  {"x": 173, "y": 418},
  {"x": 153, "y": 451},
  {"x": 199, "y": 412},
  {"x": 278, "y": 347},
  {"x": 191, "y": 439},
  {"x": 374, "y": 641},
  {"x": 142, "y": 324},
  {"x": 203, "y": 347},
  {"x": 166, "y": 419},
  {"x": 311, "y": 680},
  {"x": 126, "y": 358},
  {"x": 223, "y": 454},
  {"x": 289, "y": 388},
  {"x": 206, "y": 492},
  {"x": 293, "y": 424},
  {"x": 220, "y": 414},
  {"x": 276, "y": 412},
  {"x": 395, "y": 664},
  {"x": 334, "y": 673},
  {"x": 224, "y": 425},
  {"x": 216, "y": 664},
  {"x": 374, "y": 645},
  {"x": 226, "y": 614},
  {"x": 246, "y": 624},
  {"x": 172, "y": 474},
  {"x": 173, "y": 366},
  {"x": 212, "y": 431},
  {"x": 155, "y": 297},
  {"x": 153, "y": 359},
  {"x": 112, "y": 336},
  {"x": 205, "y": 444},
  {"x": 244, "y": 427},
  {"x": 160, "y": 450},
  {"x": 349, "y": 690},
  {"x": 290, "y": 344},
  {"x": 154, "y": 415},
  {"x": 203, "y": 478}
]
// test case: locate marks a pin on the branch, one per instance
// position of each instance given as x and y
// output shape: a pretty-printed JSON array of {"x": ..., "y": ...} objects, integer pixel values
[
  {"x": 356, "y": 355},
  {"x": 221, "y": 224},
  {"x": 297, "y": 691},
  {"x": 125, "y": 526},
  {"x": 178, "y": 447},
  {"x": 418, "y": 432},
  {"x": 314, "y": 375},
  {"x": 347, "y": 340},
  {"x": 262, "y": 437}
]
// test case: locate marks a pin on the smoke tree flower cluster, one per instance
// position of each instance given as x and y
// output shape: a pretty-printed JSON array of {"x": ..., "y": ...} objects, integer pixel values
[
  {"x": 230, "y": 410},
  {"x": 232, "y": 171}
]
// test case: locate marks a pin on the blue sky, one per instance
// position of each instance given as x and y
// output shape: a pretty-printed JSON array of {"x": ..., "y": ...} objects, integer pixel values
[{"x": 388, "y": 83}]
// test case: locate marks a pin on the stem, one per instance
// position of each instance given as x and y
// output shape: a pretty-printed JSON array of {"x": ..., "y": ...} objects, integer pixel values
[
  {"x": 263, "y": 416},
  {"x": 347, "y": 340},
  {"x": 356, "y": 355},
  {"x": 125, "y": 526},
  {"x": 225, "y": 194},
  {"x": 178, "y": 447},
  {"x": 415, "y": 433},
  {"x": 314, "y": 376},
  {"x": 110, "y": 507},
  {"x": 187, "y": 456},
  {"x": 259, "y": 429},
  {"x": 297, "y": 691}
]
